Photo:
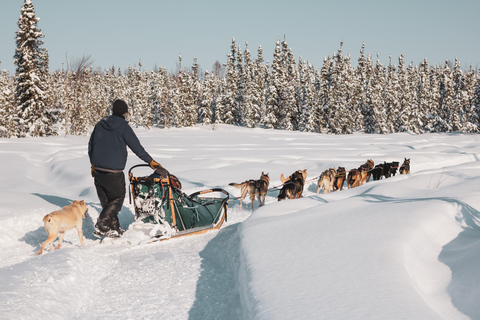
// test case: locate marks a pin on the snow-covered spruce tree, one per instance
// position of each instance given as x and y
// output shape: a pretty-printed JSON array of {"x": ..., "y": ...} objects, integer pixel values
[
  {"x": 269, "y": 119},
  {"x": 361, "y": 86},
  {"x": 308, "y": 114},
  {"x": 225, "y": 108},
  {"x": 414, "y": 123},
  {"x": 445, "y": 98},
  {"x": 439, "y": 123},
  {"x": 139, "y": 97},
  {"x": 238, "y": 110},
  {"x": 205, "y": 114},
  {"x": 390, "y": 96},
  {"x": 98, "y": 99},
  {"x": 476, "y": 96},
  {"x": 31, "y": 116},
  {"x": 164, "y": 115},
  {"x": 429, "y": 96},
  {"x": 402, "y": 119},
  {"x": 457, "y": 112},
  {"x": 424, "y": 101},
  {"x": 471, "y": 115},
  {"x": 276, "y": 98},
  {"x": 377, "y": 99},
  {"x": 6, "y": 105},
  {"x": 249, "y": 108},
  {"x": 189, "y": 92},
  {"x": 290, "y": 114},
  {"x": 340, "y": 115},
  {"x": 304, "y": 110},
  {"x": 324, "y": 93},
  {"x": 259, "y": 73},
  {"x": 286, "y": 84}
]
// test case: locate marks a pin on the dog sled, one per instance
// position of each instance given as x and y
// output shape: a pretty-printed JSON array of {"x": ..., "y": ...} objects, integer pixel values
[{"x": 159, "y": 202}]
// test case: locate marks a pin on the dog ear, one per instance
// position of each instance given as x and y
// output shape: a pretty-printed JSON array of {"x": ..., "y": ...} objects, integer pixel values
[{"x": 82, "y": 202}]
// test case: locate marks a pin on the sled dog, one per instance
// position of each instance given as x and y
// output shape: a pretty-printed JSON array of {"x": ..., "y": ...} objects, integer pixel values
[
  {"x": 405, "y": 168},
  {"x": 378, "y": 171},
  {"x": 366, "y": 171},
  {"x": 353, "y": 178},
  {"x": 326, "y": 180},
  {"x": 62, "y": 220},
  {"x": 339, "y": 179},
  {"x": 293, "y": 185},
  {"x": 253, "y": 188},
  {"x": 390, "y": 168}
]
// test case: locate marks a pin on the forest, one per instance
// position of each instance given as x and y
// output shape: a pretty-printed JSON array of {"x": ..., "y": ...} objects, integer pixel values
[{"x": 339, "y": 97}]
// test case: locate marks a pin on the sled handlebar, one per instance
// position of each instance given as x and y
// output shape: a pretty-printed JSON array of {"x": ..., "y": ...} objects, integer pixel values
[{"x": 136, "y": 166}]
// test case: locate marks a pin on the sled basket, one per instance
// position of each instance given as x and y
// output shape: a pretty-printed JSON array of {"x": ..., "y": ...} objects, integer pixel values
[{"x": 158, "y": 201}]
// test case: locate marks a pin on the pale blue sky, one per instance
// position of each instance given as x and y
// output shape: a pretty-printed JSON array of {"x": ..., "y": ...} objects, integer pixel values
[{"x": 122, "y": 32}]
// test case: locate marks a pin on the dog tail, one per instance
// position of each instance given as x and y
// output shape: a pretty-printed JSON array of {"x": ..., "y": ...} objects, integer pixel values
[{"x": 237, "y": 185}]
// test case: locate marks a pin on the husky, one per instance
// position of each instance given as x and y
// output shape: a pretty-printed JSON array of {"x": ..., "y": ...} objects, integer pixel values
[
  {"x": 390, "y": 168},
  {"x": 253, "y": 188},
  {"x": 62, "y": 220},
  {"x": 378, "y": 172},
  {"x": 353, "y": 178},
  {"x": 366, "y": 171},
  {"x": 405, "y": 168},
  {"x": 293, "y": 185},
  {"x": 339, "y": 179},
  {"x": 326, "y": 181}
]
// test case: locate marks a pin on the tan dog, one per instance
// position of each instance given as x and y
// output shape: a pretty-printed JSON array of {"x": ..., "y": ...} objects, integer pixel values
[
  {"x": 293, "y": 185},
  {"x": 353, "y": 178},
  {"x": 405, "y": 168},
  {"x": 366, "y": 171},
  {"x": 339, "y": 179},
  {"x": 59, "y": 221},
  {"x": 253, "y": 188},
  {"x": 326, "y": 181}
]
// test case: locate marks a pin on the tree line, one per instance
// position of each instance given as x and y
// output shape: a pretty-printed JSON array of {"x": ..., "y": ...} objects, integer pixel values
[{"x": 286, "y": 94}]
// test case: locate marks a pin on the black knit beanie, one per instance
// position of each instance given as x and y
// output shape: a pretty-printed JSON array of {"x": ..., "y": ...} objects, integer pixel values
[{"x": 119, "y": 108}]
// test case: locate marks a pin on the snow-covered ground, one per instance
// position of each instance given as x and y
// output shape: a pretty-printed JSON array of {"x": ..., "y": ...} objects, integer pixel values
[{"x": 407, "y": 247}]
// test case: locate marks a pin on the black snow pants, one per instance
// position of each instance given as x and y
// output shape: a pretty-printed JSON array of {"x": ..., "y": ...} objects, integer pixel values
[{"x": 111, "y": 193}]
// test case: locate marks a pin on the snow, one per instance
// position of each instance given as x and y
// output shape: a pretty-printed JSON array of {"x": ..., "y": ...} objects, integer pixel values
[{"x": 407, "y": 247}]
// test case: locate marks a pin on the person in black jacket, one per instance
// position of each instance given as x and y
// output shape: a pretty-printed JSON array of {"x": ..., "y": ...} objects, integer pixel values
[{"x": 107, "y": 150}]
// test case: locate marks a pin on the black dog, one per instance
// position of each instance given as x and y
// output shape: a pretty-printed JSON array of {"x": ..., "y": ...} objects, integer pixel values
[
  {"x": 293, "y": 185},
  {"x": 390, "y": 168},
  {"x": 378, "y": 172}
]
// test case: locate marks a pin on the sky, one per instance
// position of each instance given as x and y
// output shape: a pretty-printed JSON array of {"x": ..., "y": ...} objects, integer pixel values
[{"x": 122, "y": 33}]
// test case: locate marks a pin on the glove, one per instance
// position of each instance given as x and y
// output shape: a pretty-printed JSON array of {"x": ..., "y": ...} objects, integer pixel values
[
  {"x": 162, "y": 172},
  {"x": 155, "y": 165},
  {"x": 93, "y": 171}
]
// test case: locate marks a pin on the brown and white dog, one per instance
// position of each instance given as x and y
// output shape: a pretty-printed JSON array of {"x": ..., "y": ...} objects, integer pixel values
[
  {"x": 366, "y": 171},
  {"x": 253, "y": 188},
  {"x": 405, "y": 168},
  {"x": 326, "y": 180},
  {"x": 62, "y": 220},
  {"x": 353, "y": 178},
  {"x": 293, "y": 185}
]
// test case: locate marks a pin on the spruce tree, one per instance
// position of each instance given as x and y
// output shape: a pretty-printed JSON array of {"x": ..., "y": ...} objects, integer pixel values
[
  {"x": 206, "y": 99},
  {"x": 31, "y": 115},
  {"x": 6, "y": 105},
  {"x": 249, "y": 86}
]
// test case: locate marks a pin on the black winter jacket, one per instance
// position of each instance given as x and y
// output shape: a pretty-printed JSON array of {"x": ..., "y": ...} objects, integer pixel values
[{"x": 108, "y": 143}]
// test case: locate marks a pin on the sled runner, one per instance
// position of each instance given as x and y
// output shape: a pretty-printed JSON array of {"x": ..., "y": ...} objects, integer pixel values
[{"x": 159, "y": 202}]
